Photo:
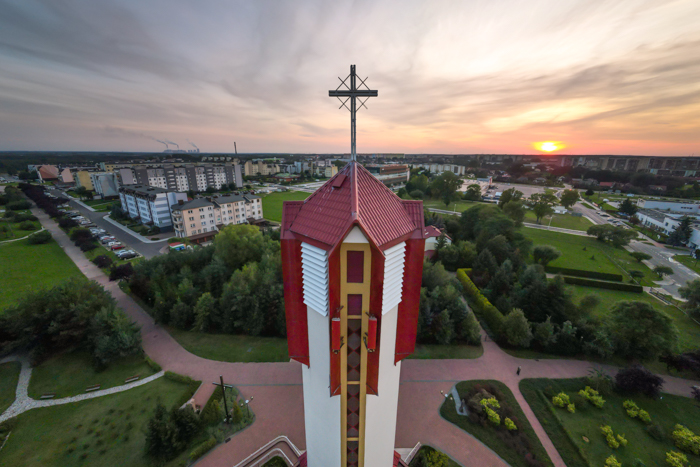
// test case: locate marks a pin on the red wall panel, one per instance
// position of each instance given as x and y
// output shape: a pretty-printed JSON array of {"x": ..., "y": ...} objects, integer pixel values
[
  {"x": 356, "y": 266},
  {"x": 294, "y": 307},
  {"x": 334, "y": 303},
  {"x": 407, "y": 325},
  {"x": 375, "y": 308}
]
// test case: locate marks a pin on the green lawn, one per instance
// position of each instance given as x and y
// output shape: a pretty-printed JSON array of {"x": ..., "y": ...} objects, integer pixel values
[
  {"x": 563, "y": 221},
  {"x": 597, "y": 256},
  {"x": 68, "y": 374},
  {"x": 9, "y": 375},
  {"x": 232, "y": 348},
  {"x": 489, "y": 435},
  {"x": 457, "y": 206},
  {"x": 272, "y": 203},
  {"x": 689, "y": 262},
  {"x": 689, "y": 330},
  {"x": 26, "y": 267},
  {"x": 588, "y": 205},
  {"x": 567, "y": 430},
  {"x": 461, "y": 351},
  {"x": 107, "y": 430},
  {"x": 17, "y": 232}
]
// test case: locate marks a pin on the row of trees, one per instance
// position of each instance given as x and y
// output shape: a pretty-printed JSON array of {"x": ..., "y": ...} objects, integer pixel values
[
  {"x": 75, "y": 313},
  {"x": 539, "y": 312},
  {"x": 234, "y": 286}
]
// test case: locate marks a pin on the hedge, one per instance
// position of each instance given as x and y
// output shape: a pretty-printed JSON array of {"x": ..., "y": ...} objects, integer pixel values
[
  {"x": 482, "y": 307},
  {"x": 603, "y": 284},
  {"x": 202, "y": 448},
  {"x": 210, "y": 413},
  {"x": 192, "y": 386},
  {"x": 606, "y": 276}
]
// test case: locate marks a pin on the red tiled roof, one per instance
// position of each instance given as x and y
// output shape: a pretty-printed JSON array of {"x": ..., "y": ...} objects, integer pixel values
[
  {"x": 353, "y": 196},
  {"x": 432, "y": 231},
  {"x": 48, "y": 172}
]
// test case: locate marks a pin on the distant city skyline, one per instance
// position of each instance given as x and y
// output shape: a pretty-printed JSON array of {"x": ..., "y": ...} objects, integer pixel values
[{"x": 454, "y": 77}]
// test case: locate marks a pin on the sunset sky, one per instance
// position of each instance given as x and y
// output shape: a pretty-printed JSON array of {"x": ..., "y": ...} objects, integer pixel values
[{"x": 492, "y": 76}]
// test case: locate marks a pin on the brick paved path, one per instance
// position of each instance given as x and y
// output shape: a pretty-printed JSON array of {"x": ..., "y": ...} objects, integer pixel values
[{"x": 277, "y": 391}]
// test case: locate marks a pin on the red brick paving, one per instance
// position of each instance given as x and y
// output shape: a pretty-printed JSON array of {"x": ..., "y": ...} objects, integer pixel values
[{"x": 277, "y": 390}]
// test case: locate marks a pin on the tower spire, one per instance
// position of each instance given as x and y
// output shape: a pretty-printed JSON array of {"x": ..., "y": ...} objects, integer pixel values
[{"x": 352, "y": 93}]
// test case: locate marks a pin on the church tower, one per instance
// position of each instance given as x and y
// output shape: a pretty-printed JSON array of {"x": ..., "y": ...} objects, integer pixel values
[{"x": 352, "y": 257}]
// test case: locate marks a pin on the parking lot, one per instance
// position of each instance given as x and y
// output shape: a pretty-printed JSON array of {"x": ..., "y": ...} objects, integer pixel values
[{"x": 108, "y": 241}]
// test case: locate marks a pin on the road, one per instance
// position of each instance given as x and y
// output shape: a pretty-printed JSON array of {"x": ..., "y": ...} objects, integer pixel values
[{"x": 148, "y": 250}]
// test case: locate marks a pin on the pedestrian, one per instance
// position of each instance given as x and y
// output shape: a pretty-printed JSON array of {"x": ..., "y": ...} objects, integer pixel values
[{"x": 518, "y": 372}]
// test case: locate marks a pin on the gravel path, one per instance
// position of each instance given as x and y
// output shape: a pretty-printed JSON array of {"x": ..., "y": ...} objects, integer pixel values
[{"x": 23, "y": 402}]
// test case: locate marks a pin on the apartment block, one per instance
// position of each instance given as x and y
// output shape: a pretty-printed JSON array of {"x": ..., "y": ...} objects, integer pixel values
[
  {"x": 255, "y": 168},
  {"x": 150, "y": 205},
  {"x": 105, "y": 184},
  {"x": 183, "y": 177},
  {"x": 201, "y": 218}
]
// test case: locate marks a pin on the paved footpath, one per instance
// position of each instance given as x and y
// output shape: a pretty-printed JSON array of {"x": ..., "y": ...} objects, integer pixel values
[{"x": 277, "y": 390}]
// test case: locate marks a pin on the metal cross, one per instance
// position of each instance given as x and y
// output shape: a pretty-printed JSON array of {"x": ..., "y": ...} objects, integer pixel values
[{"x": 352, "y": 93}]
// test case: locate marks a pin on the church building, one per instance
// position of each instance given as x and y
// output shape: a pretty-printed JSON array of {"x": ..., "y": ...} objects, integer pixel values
[{"x": 352, "y": 256}]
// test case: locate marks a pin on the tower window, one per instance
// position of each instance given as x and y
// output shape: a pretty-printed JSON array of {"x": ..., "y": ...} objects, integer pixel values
[{"x": 356, "y": 266}]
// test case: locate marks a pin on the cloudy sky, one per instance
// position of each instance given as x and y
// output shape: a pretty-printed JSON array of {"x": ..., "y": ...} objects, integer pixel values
[{"x": 467, "y": 76}]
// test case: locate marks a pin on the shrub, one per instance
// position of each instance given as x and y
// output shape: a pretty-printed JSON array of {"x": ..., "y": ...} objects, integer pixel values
[
  {"x": 510, "y": 425},
  {"x": 154, "y": 366},
  {"x": 87, "y": 246},
  {"x": 656, "y": 431},
  {"x": 635, "y": 412},
  {"x": 676, "y": 459},
  {"x": 202, "y": 448},
  {"x": 121, "y": 272},
  {"x": 638, "y": 380},
  {"x": 571, "y": 408},
  {"x": 606, "y": 276},
  {"x": 102, "y": 261},
  {"x": 610, "y": 437},
  {"x": 211, "y": 410},
  {"x": 20, "y": 205},
  {"x": 27, "y": 225},
  {"x": 592, "y": 396},
  {"x": 686, "y": 440},
  {"x": 488, "y": 405},
  {"x": 482, "y": 307},
  {"x": 604, "y": 284},
  {"x": 612, "y": 462},
  {"x": 40, "y": 237},
  {"x": 67, "y": 223},
  {"x": 561, "y": 400}
]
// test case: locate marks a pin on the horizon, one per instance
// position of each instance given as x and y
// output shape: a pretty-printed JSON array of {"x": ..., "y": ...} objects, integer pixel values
[{"x": 610, "y": 78}]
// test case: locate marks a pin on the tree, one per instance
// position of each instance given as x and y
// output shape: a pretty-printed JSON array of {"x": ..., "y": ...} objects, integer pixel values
[
  {"x": 545, "y": 254},
  {"x": 542, "y": 204},
  {"x": 517, "y": 329},
  {"x": 40, "y": 237},
  {"x": 416, "y": 194},
  {"x": 590, "y": 192},
  {"x": 402, "y": 193},
  {"x": 639, "y": 256},
  {"x": 203, "y": 311},
  {"x": 618, "y": 236},
  {"x": 445, "y": 187},
  {"x": 516, "y": 211},
  {"x": 638, "y": 380},
  {"x": 544, "y": 333},
  {"x": 169, "y": 433},
  {"x": 628, "y": 207},
  {"x": 640, "y": 331},
  {"x": 663, "y": 271},
  {"x": 238, "y": 244},
  {"x": 511, "y": 194},
  {"x": 473, "y": 192},
  {"x": 691, "y": 292},
  {"x": 569, "y": 198}
]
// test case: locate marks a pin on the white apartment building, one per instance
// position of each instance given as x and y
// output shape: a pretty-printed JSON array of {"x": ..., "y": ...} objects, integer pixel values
[
  {"x": 440, "y": 168},
  {"x": 150, "y": 205},
  {"x": 670, "y": 206},
  {"x": 203, "y": 217}
]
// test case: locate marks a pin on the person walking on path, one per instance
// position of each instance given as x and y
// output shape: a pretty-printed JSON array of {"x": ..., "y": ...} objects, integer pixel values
[{"x": 518, "y": 372}]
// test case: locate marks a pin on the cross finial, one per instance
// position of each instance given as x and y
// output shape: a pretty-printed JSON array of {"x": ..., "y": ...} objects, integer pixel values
[{"x": 352, "y": 93}]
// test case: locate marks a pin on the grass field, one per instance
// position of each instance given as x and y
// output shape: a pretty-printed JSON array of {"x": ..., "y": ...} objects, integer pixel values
[
  {"x": 689, "y": 262},
  {"x": 232, "y": 348},
  {"x": 488, "y": 434},
  {"x": 107, "y": 430},
  {"x": 563, "y": 221},
  {"x": 597, "y": 256},
  {"x": 462, "y": 351},
  {"x": 68, "y": 374},
  {"x": 588, "y": 205},
  {"x": 567, "y": 430},
  {"x": 26, "y": 267},
  {"x": 457, "y": 206},
  {"x": 272, "y": 203},
  {"x": 689, "y": 330},
  {"x": 9, "y": 375}
]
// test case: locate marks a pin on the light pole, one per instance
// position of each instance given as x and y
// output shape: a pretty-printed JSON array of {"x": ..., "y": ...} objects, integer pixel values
[
  {"x": 247, "y": 401},
  {"x": 549, "y": 227}
]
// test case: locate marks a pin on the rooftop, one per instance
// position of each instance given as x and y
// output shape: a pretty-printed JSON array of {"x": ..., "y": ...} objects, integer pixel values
[{"x": 145, "y": 190}]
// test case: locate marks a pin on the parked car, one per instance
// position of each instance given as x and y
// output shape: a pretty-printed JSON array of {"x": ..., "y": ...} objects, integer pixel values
[
  {"x": 117, "y": 246},
  {"x": 107, "y": 240},
  {"x": 126, "y": 254}
]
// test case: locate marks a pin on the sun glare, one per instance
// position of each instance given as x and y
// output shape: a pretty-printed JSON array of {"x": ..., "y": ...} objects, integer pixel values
[{"x": 549, "y": 146}]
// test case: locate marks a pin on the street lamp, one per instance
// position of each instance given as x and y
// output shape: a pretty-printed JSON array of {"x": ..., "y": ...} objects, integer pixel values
[{"x": 247, "y": 401}]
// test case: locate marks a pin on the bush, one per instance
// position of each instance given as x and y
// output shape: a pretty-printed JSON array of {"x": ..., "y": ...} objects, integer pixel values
[
  {"x": 656, "y": 431},
  {"x": 482, "y": 307},
  {"x": 592, "y": 396},
  {"x": 19, "y": 217},
  {"x": 676, "y": 459},
  {"x": 603, "y": 284},
  {"x": 606, "y": 276},
  {"x": 510, "y": 425},
  {"x": 40, "y": 237},
  {"x": 102, "y": 261},
  {"x": 87, "y": 246},
  {"x": 20, "y": 205},
  {"x": 202, "y": 448},
  {"x": 211, "y": 410},
  {"x": 635, "y": 412},
  {"x": 27, "y": 225},
  {"x": 67, "y": 223},
  {"x": 686, "y": 440},
  {"x": 121, "y": 272},
  {"x": 638, "y": 380},
  {"x": 612, "y": 462},
  {"x": 154, "y": 366}
]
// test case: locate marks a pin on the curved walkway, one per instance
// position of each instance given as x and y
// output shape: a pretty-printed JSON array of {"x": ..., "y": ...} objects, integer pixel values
[
  {"x": 277, "y": 390},
  {"x": 23, "y": 402},
  {"x": 22, "y": 238}
]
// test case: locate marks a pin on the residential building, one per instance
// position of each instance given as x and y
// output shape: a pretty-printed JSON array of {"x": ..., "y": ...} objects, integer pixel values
[
  {"x": 105, "y": 184},
  {"x": 440, "y": 168},
  {"x": 431, "y": 235},
  {"x": 677, "y": 166},
  {"x": 180, "y": 177},
  {"x": 201, "y": 218},
  {"x": 670, "y": 206},
  {"x": 47, "y": 172},
  {"x": 66, "y": 176},
  {"x": 150, "y": 205},
  {"x": 82, "y": 178},
  {"x": 255, "y": 168}
]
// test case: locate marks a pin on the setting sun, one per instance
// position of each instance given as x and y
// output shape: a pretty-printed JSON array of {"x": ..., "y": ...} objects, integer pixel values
[{"x": 549, "y": 146}]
